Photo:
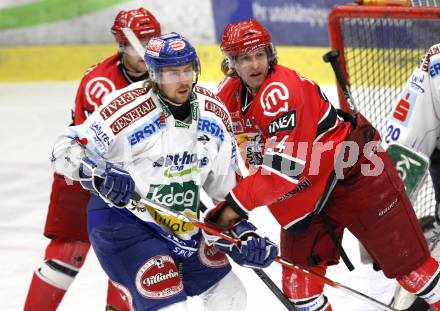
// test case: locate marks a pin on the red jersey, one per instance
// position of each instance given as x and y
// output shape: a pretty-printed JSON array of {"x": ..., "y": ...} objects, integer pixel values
[
  {"x": 98, "y": 81},
  {"x": 293, "y": 133},
  {"x": 68, "y": 205}
]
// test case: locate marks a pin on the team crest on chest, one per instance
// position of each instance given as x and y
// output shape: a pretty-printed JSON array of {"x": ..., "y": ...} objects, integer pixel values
[
  {"x": 274, "y": 98},
  {"x": 97, "y": 88}
]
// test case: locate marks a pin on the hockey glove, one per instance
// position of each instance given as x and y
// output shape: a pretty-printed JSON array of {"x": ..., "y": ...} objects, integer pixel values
[
  {"x": 254, "y": 251},
  {"x": 112, "y": 184}
]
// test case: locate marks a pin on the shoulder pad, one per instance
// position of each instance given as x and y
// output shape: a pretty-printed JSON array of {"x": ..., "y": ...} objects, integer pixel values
[
  {"x": 120, "y": 98},
  {"x": 215, "y": 108},
  {"x": 426, "y": 59},
  {"x": 205, "y": 92}
]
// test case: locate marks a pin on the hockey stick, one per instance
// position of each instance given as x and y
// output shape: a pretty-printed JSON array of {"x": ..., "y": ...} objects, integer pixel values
[
  {"x": 137, "y": 45},
  {"x": 318, "y": 277},
  {"x": 332, "y": 58},
  {"x": 134, "y": 41},
  {"x": 266, "y": 280}
]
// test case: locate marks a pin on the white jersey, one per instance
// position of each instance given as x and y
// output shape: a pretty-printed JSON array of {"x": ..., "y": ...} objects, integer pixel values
[
  {"x": 415, "y": 119},
  {"x": 169, "y": 160}
]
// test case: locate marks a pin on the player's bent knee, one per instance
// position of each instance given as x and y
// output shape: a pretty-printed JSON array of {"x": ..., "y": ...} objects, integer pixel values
[
  {"x": 57, "y": 273},
  {"x": 179, "y": 306},
  {"x": 71, "y": 252},
  {"x": 228, "y": 294}
]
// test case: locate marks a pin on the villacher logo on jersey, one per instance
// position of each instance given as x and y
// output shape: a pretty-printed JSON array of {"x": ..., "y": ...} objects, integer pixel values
[{"x": 158, "y": 278}]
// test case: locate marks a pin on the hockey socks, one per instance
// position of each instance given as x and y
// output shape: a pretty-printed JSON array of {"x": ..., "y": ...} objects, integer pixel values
[
  {"x": 305, "y": 293},
  {"x": 118, "y": 297},
  {"x": 317, "y": 303},
  {"x": 42, "y": 296},
  {"x": 424, "y": 282},
  {"x": 53, "y": 276}
]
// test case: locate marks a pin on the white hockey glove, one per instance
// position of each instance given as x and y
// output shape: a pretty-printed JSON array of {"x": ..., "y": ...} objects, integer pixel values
[{"x": 112, "y": 184}]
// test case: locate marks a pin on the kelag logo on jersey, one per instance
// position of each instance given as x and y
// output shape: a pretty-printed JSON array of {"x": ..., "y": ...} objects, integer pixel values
[
  {"x": 283, "y": 123},
  {"x": 434, "y": 68},
  {"x": 177, "y": 164},
  {"x": 145, "y": 131},
  {"x": 404, "y": 108},
  {"x": 211, "y": 127},
  {"x": 179, "y": 196}
]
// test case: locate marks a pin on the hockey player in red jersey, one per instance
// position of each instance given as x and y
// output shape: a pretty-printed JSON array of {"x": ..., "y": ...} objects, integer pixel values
[
  {"x": 66, "y": 223},
  {"x": 311, "y": 183}
]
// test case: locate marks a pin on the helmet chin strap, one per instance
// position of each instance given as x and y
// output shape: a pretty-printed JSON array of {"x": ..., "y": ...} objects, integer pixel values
[{"x": 195, "y": 82}]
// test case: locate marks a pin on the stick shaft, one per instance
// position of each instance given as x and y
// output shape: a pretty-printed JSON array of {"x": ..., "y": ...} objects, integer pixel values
[
  {"x": 134, "y": 41},
  {"x": 316, "y": 276},
  {"x": 332, "y": 58}
]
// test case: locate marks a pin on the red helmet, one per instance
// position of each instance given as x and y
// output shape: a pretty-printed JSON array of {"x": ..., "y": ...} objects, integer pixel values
[
  {"x": 141, "y": 21},
  {"x": 245, "y": 37}
]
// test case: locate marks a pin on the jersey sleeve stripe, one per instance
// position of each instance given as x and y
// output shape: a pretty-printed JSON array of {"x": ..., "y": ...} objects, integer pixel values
[
  {"x": 328, "y": 121},
  {"x": 289, "y": 169},
  {"x": 288, "y": 157},
  {"x": 293, "y": 180},
  {"x": 236, "y": 205},
  {"x": 295, "y": 221}
]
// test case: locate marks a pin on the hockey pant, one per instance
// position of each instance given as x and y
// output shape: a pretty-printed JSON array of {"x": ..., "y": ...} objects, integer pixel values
[
  {"x": 374, "y": 206},
  {"x": 67, "y": 214},
  {"x": 134, "y": 256}
]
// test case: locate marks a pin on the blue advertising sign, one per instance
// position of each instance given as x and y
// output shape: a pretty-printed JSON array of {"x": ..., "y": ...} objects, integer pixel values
[{"x": 294, "y": 22}]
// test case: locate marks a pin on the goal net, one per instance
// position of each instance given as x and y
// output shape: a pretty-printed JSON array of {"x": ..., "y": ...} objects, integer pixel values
[{"x": 380, "y": 47}]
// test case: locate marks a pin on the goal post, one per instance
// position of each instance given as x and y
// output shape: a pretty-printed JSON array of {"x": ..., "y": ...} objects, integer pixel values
[{"x": 379, "y": 48}]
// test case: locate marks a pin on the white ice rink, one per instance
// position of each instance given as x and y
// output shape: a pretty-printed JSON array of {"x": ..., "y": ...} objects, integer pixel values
[{"x": 31, "y": 117}]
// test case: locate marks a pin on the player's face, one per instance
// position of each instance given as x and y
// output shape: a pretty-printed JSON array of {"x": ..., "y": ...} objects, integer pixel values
[
  {"x": 133, "y": 62},
  {"x": 176, "y": 83},
  {"x": 253, "y": 68}
]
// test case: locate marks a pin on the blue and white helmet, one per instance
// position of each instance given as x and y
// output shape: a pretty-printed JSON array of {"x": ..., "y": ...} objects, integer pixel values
[{"x": 169, "y": 50}]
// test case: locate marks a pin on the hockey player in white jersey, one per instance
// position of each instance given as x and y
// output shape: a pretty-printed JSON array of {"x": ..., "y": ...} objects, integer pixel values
[
  {"x": 413, "y": 140},
  {"x": 162, "y": 139}
]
